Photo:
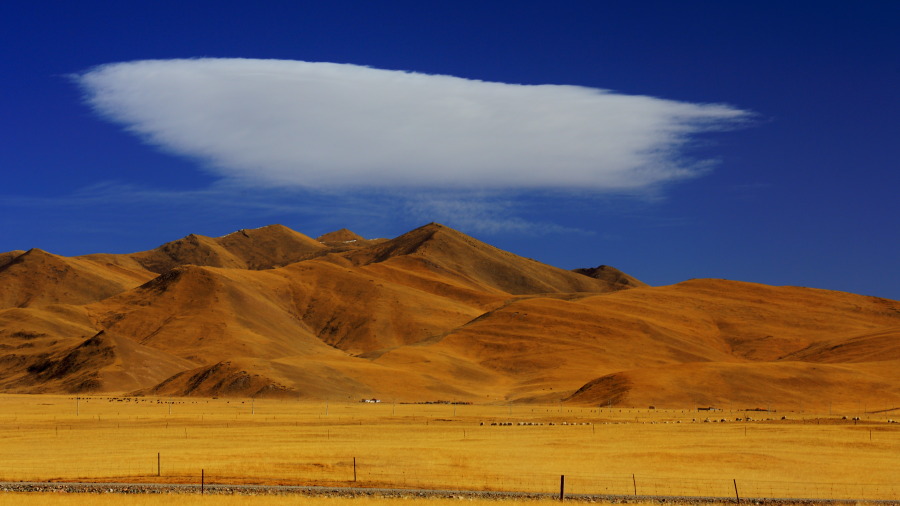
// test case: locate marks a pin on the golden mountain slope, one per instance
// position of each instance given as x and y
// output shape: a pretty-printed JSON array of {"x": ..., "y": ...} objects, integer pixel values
[
  {"x": 779, "y": 338},
  {"x": 777, "y": 386},
  {"x": 37, "y": 278},
  {"x": 432, "y": 314}
]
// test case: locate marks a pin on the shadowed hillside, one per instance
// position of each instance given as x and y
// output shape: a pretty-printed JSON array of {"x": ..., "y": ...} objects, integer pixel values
[
  {"x": 430, "y": 315},
  {"x": 611, "y": 275}
]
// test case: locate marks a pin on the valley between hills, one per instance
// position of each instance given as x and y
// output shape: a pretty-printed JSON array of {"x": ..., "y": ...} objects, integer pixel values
[{"x": 431, "y": 315}]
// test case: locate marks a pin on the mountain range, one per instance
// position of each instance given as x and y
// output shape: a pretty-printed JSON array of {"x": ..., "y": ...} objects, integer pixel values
[{"x": 431, "y": 315}]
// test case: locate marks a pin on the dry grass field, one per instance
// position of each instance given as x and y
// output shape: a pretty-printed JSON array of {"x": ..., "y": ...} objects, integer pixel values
[{"x": 600, "y": 451}]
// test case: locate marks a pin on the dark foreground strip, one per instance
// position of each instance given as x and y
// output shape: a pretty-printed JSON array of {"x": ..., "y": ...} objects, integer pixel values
[{"x": 219, "y": 489}]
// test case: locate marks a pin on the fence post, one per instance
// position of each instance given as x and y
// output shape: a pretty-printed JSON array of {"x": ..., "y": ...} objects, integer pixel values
[
  {"x": 202, "y": 481},
  {"x": 157, "y": 465},
  {"x": 354, "y": 469},
  {"x": 737, "y": 498},
  {"x": 562, "y": 487},
  {"x": 634, "y": 482}
]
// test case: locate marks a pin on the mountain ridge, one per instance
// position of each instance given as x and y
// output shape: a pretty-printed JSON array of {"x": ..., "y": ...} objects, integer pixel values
[{"x": 430, "y": 314}]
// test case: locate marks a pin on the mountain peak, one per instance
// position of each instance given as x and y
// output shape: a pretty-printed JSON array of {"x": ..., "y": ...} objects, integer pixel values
[
  {"x": 258, "y": 248},
  {"x": 340, "y": 236},
  {"x": 477, "y": 265}
]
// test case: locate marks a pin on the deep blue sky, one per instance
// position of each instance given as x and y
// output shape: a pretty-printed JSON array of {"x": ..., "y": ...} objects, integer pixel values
[{"x": 807, "y": 194}]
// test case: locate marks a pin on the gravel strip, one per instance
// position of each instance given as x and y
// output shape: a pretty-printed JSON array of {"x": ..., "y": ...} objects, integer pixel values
[{"x": 169, "y": 488}]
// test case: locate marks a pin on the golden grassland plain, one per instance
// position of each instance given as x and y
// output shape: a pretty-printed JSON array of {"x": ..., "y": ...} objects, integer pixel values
[{"x": 443, "y": 446}]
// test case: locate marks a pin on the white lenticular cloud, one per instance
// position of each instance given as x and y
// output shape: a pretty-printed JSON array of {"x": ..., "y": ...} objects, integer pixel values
[{"x": 326, "y": 125}]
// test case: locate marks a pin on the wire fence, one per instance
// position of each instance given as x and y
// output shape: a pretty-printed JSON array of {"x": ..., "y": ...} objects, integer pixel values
[{"x": 351, "y": 472}]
